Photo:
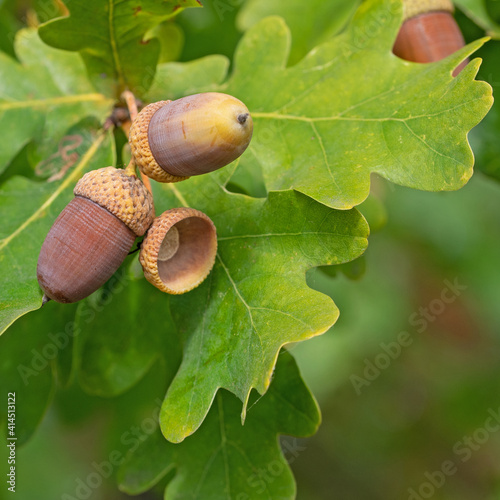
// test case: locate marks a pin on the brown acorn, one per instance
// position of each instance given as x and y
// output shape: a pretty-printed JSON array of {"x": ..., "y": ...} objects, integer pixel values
[
  {"x": 173, "y": 140},
  {"x": 94, "y": 233},
  {"x": 429, "y": 32},
  {"x": 179, "y": 250}
]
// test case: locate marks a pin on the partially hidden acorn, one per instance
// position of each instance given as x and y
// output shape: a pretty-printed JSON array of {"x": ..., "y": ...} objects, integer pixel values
[
  {"x": 429, "y": 32},
  {"x": 179, "y": 250},
  {"x": 93, "y": 235},
  {"x": 173, "y": 140}
]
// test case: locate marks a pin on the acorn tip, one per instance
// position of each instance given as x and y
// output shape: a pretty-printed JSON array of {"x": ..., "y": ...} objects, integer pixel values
[{"x": 242, "y": 117}]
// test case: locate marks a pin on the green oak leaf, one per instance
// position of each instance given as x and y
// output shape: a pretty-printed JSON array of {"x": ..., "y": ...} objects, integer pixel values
[
  {"x": 65, "y": 366},
  {"x": 476, "y": 10},
  {"x": 171, "y": 38},
  {"x": 32, "y": 208},
  {"x": 310, "y": 23},
  {"x": 120, "y": 343},
  {"x": 31, "y": 356},
  {"x": 351, "y": 108},
  {"x": 110, "y": 36},
  {"x": 256, "y": 298},
  {"x": 211, "y": 30},
  {"x": 31, "y": 381},
  {"x": 174, "y": 80},
  {"x": 226, "y": 459},
  {"x": 42, "y": 96}
]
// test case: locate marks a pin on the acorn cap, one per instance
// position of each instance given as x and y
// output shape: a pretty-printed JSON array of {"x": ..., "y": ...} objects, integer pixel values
[
  {"x": 179, "y": 250},
  {"x": 139, "y": 145},
  {"x": 123, "y": 195},
  {"x": 412, "y": 8}
]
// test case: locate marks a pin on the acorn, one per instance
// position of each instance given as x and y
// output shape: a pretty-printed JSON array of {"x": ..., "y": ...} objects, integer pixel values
[
  {"x": 179, "y": 250},
  {"x": 173, "y": 140},
  {"x": 429, "y": 32},
  {"x": 93, "y": 235}
]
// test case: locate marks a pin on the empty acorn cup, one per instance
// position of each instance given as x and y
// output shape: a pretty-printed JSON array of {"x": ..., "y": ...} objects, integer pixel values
[{"x": 179, "y": 250}]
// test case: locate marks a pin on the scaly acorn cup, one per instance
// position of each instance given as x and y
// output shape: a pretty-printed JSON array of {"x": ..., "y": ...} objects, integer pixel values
[
  {"x": 179, "y": 250},
  {"x": 173, "y": 140},
  {"x": 94, "y": 233},
  {"x": 429, "y": 32}
]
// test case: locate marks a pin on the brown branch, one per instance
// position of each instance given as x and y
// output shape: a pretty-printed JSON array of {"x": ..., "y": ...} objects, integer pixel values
[{"x": 131, "y": 102}]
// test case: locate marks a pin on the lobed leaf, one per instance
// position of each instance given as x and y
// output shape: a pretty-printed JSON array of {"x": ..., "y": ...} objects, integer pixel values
[
  {"x": 110, "y": 36},
  {"x": 42, "y": 96},
  {"x": 351, "y": 108},
  {"x": 174, "y": 80},
  {"x": 31, "y": 356},
  {"x": 310, "y": 24},
  {"x": 125, "y": 327},
  {"x": 225, "y": 458},
  {"x": 256, "y": 298}
]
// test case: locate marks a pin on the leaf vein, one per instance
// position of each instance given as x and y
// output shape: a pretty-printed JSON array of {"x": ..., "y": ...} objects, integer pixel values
[
  {"x": 249, "y": 309},
  {"x": 280, "y": 235},
  {"x": 64, "y": 184},
  {"x": 423, "y": 141},
  {"x": 284, "y": 314},
  {"x": 114, "y": 48},
  {"x": 51, "y": 101},
  {"x": 325, "y": 157}
]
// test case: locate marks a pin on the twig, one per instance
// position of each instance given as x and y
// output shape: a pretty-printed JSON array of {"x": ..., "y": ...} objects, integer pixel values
[
  {"x": 131, "y": 103},
  {"x": 130, "y": 170},
  {"x": 130, "y": 100},
  {"x": 137, "y": 248}
]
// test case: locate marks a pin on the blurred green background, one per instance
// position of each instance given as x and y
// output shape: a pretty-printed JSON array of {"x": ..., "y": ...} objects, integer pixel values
[{"x": 430, "y": 404}]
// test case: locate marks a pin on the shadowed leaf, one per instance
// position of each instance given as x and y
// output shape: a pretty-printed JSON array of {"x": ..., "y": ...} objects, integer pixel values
[{"x": 226, "y": 458}]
